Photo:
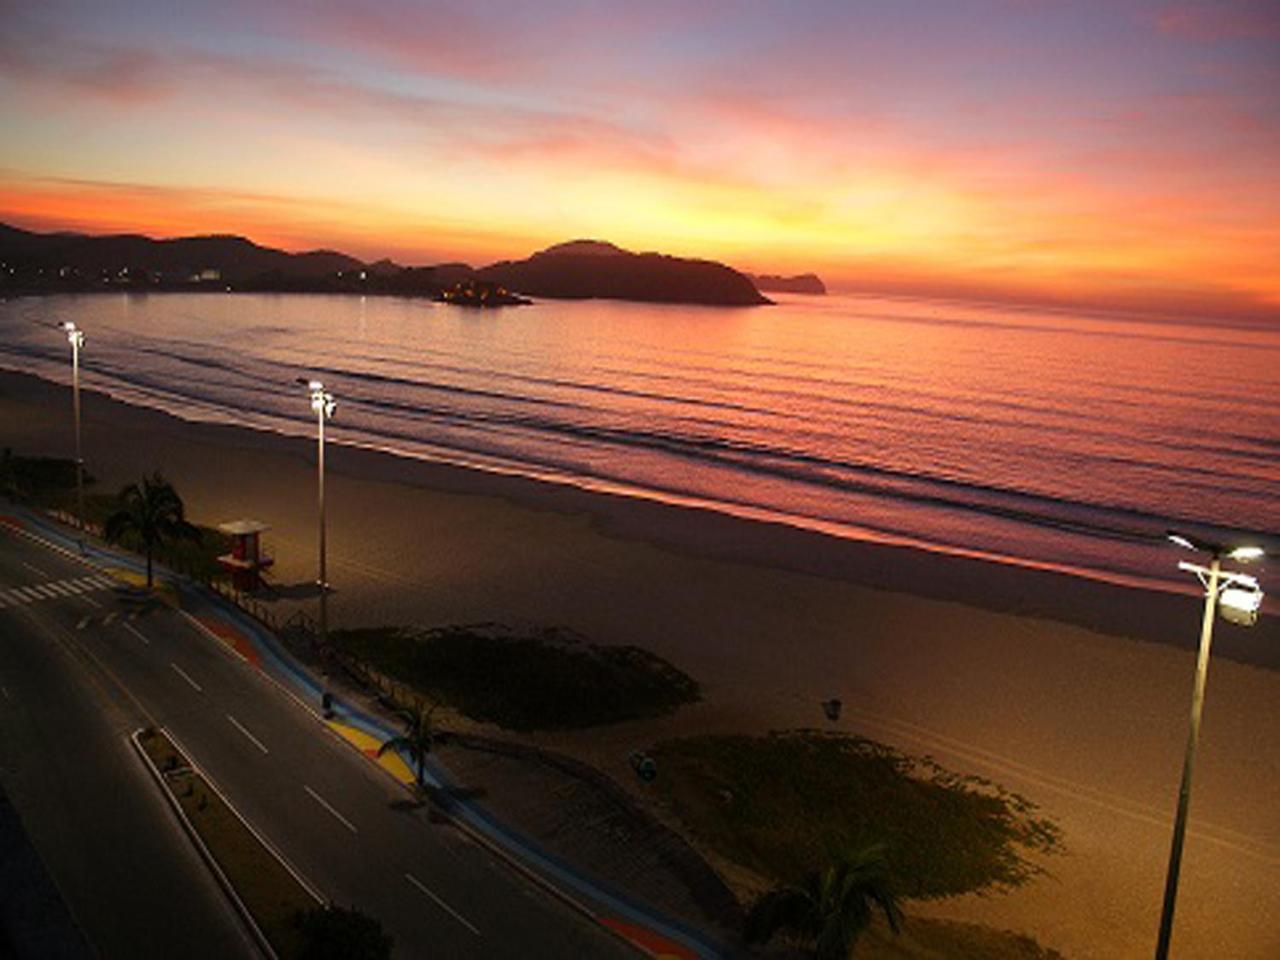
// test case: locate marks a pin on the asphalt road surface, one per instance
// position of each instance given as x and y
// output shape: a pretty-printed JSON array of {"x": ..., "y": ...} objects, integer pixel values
[{"x": 75, "y": 681}]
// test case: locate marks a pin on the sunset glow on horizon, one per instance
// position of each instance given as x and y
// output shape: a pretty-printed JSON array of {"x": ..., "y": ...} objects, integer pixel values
[{"x": 1116, "y": 155}]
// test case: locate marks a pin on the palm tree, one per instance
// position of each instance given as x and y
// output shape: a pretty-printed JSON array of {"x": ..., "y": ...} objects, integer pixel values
[
  {"x": 417, "y": 740},
  {"x": 829, "y": 909},
  {"x": 150, "y": 512}
]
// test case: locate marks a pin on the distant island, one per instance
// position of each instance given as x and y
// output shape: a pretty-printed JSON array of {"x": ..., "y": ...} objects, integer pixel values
[
  {"x": 801, "y": 283},
  {"x": 583, "y": 269},
  {"x": 38, "y": 263}
]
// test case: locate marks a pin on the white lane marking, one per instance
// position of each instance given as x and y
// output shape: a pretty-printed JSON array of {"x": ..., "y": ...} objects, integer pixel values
[
  {"x": 110, "y": 618},
  {"x": 5, "y": 691},
  {"x": 136, "y": 632},
  {"x": 325, "y": 803},
  {"x": 183, "y": 674},
  {"x": 252, "y": 739},
  {"x": 34, "y": 569},
  {"x": 441, "y": 904},
  {"x": 91, "y": 602},
  {"x": 83, "y": 622}
]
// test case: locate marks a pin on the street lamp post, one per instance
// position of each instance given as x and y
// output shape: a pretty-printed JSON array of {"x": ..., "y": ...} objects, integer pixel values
[
  {"x": 323, "y": 405},
  {"x": 1237, "y": 597},
  {"x": 76, "y": 338}
]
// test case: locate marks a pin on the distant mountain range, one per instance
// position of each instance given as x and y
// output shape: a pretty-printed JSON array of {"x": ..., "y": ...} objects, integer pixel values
[
  {"x": 236, "y": 259},
  {"x": 57, "y": 262}
]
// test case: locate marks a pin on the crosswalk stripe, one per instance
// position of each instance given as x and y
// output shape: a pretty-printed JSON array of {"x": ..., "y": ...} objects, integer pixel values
[
  {"x": 103, "y": 581},
  {"x": 60, "y": 588},
  {"x": 25, "y": 594},
  {"x": 73, "y": 586}
]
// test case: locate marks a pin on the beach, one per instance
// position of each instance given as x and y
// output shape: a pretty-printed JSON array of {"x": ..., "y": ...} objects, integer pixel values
[{"x": 1072, "y": 692}]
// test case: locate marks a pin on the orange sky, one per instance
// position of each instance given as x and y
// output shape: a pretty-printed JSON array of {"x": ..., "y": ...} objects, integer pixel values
[{"x": 1108, "y": 154}]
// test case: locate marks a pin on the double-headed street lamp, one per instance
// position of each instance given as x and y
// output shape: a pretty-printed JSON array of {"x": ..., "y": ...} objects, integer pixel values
[
  {"x": 323, "y": 406},
  {"x": 1237, "y": 597},
  {"x": 75, "y": 337}
]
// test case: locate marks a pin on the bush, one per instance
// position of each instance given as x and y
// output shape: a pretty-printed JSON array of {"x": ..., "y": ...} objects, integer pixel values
[
  {"x": 785, "y": 804},
  {"x": 548, "y": 681},
  {"x": 337, "y": 933}
]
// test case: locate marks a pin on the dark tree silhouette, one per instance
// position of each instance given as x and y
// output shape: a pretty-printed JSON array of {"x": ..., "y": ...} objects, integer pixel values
[
  {"x": 417, "y": 740},
  {"x": 337, "y": 933},
  {"x": 830, "y": 909},
  {"x": 151, "y": 513}
]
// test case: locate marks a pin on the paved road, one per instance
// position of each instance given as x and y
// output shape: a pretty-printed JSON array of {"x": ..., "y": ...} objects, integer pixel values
[
  {"x": 330, "y": 812},
  {"x": 128, "y": 873}
]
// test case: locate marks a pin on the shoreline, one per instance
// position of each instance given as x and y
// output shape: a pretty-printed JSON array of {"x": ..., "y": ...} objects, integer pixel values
[
  {"x": 1131, "y": 611},
  {"x": 1090, "y": 725}
]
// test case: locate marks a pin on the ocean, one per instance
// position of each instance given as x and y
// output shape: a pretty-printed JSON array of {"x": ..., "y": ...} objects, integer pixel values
[{"x": 1042, "y": 437}]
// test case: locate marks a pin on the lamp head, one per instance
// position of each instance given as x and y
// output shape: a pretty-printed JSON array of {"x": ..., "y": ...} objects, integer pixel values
[
  {"x": 1244, "y": 552},
  {"x": 1247, "y": 553},
  {"x": 1240, "y": 603}
]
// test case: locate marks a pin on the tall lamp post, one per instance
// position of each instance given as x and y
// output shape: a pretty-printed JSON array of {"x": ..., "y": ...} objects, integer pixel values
[
  {"x": 75, "y": 337},
  {"x": 323, "y": 406},
  {"x": 1237, "y": 597}
]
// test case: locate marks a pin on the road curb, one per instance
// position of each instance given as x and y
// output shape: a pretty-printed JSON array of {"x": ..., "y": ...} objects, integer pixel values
[
  {"x": 259, "y": 937},
  {"x": 270, "y": 847}
]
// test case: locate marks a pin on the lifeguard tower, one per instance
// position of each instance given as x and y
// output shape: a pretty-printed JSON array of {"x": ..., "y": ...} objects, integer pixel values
[{"x": 247, "y": 560}]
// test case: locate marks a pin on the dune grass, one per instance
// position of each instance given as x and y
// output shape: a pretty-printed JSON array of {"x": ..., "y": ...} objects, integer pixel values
[
  {"x": 784, "y": 804},
  {"x": 546, "y": 681}
]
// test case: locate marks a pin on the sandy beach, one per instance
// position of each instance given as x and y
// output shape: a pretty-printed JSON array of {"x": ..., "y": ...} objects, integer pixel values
[{"x": 1071, "y": 692}]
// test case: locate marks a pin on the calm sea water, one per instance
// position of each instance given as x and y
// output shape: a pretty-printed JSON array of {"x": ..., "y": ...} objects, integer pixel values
[{"x": 1033, "y": 436}]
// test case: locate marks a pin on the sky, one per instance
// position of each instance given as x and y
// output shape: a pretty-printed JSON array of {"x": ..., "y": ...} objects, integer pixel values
[{"x": 1116, "y": 154}]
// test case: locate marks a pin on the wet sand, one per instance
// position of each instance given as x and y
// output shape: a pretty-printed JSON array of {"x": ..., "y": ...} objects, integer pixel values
[{"x": 1071, "y": 692}]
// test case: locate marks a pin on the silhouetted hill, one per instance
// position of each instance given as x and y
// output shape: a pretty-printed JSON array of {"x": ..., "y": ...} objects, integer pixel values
[
  {"x": 801, "y": 283},
  {"x": 584, "y": 269},
  {"x": 589, "y": 248},
  {"x": 234, "y": 259}
]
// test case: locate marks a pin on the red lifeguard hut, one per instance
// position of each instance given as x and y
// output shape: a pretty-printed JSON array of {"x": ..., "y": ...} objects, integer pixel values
[{"x": 246, "y": 561}]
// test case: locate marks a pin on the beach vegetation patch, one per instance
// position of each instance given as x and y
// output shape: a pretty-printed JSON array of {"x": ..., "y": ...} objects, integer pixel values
[
  {"x": 926, "y": 938},
  {"x": 549, "y": 680},
  {"x": 43, "y": 481},
  {"x": 789, "y": 803}
]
